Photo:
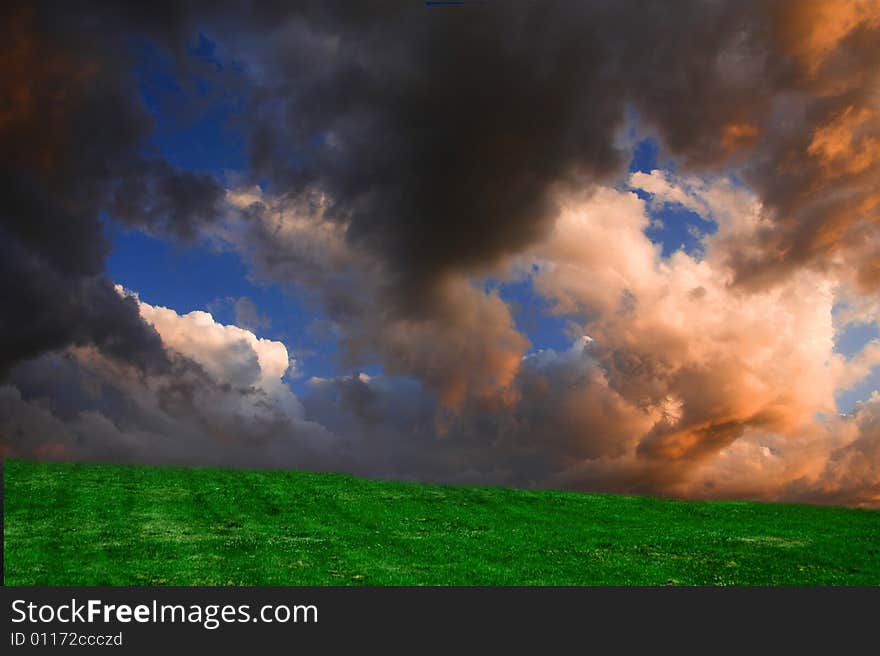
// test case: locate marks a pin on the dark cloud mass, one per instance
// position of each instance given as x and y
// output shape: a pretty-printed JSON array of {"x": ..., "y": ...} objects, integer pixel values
[
  {"x": 70, "y": 133},
  {"x": 398, "y": 155},
  {"x": 443, "y": 138},
  {"x": 94, "y": 408},
  {"x": 444, "y": 148}
]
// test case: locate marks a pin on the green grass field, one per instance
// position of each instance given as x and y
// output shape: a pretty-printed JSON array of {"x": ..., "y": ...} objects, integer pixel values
[{"x": 68, "y": 524}]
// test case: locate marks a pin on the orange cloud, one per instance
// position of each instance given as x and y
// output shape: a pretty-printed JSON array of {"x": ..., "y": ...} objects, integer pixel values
[
  {"x": 840, "y": 147},
  {"x": 707, "y": 364},
  {"x": 736, "y": 134},
  {"x": 813, "y": 29}
]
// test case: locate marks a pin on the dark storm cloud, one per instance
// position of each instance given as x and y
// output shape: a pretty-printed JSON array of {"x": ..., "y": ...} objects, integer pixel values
[
  {"x": 441, "y": 138},
  {"x": 157, "y": 196},
  {"x": 70, "y": 133},
  {"x": 45, "y": 309}
]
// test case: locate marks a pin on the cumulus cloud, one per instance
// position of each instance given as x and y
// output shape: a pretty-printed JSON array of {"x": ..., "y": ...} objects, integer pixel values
[
  {"x": 685, "y": 386},
  {"x": 229, "y": 353},
  {"x": 710, "y": 364},
  {"x": 220, "y": 401}
]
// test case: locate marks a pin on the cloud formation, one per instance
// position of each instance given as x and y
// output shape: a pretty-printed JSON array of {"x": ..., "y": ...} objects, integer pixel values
[
  {"x": 221, "y": 401},
  {"x": 683, "y": 383},
  {"x": 403, "y": 165},
  {"x": 472, "y": 126},
  {"x": 71, "y": 134},
  {"x": 468, "y": 349}
]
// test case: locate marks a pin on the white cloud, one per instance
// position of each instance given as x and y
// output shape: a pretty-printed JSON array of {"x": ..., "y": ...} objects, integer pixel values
[
  {"x": 231, "y": 354},
  {"x": 663, "y": 191}
]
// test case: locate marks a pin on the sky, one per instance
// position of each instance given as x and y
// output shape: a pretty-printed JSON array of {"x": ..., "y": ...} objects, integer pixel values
[{"x": 619, "y": 248}]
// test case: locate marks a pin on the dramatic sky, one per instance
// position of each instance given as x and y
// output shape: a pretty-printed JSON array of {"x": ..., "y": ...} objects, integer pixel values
[{"x": 617, "y": 246}]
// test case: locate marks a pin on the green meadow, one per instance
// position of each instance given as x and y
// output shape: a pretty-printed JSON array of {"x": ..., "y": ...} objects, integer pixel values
[{"x": 76, "y": 524}]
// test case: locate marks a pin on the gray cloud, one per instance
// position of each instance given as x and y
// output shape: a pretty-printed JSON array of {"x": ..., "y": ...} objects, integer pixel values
[
  {"x": 247, "y": 315},
  {"x": 85, "y": 406}
]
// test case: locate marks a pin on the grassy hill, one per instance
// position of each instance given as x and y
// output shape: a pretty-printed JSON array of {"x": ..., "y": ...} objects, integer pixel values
[{"x": 68, "y": 524}]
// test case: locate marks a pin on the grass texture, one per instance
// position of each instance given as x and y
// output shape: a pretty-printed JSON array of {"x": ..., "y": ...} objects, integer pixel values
[{"x": 78, "y": 524}]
